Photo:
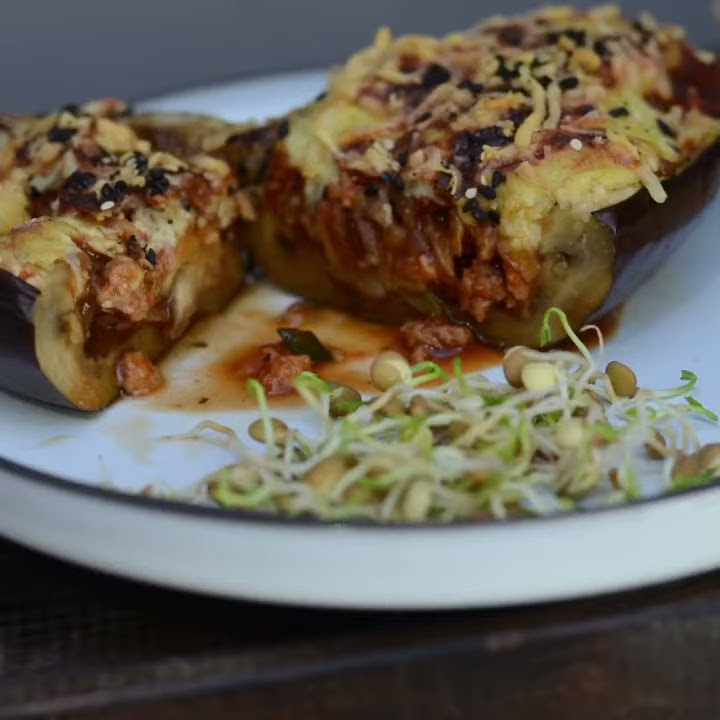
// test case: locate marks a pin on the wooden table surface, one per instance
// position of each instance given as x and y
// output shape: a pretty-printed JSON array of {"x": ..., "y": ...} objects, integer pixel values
[{"x": 77, "y": 644}]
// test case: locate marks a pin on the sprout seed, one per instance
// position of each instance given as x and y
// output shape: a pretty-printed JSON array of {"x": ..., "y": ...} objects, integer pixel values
[
  {"x": 344, "y": 400},
  {"x": 622, "y": 379},
  {"x": 685, "y": 466},
  {"x": 571, "y": 434},
  {"x": 390, "y": 368},
  {"x": 539, "y": 375},
  {"x": 417, "y": 501},
  {"x": 708, "y": 459},
  {"x": 657, "y": 447},
  {"x": 325, "y": 475},
  {"x": 280, "y": 431},
  {"x": 419, "y": 406},
  {"x": 514, "y": 361}
]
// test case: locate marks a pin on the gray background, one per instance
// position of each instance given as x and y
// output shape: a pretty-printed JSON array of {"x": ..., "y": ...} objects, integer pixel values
[{"x": 58, "y": 51}]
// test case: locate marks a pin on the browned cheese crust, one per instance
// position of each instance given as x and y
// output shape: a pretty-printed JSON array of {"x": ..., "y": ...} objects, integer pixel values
[
  {"x": 462, "y": 176},
  {"x": 120, "y": 243}
]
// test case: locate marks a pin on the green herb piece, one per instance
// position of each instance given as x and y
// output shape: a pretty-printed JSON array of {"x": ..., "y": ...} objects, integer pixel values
[{"x": 304, "y": 342}]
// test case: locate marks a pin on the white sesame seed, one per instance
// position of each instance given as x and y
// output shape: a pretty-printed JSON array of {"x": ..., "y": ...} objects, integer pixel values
[
  {"x": 388, "y": 143},
  {"x": 470, "y": 193},
  {"x": 576, "y": 144},
  {"x": 107, "y": 205}
]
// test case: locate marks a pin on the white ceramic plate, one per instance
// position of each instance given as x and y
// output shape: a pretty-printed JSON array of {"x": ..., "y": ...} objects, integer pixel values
[{"x": 56, "y": 468}]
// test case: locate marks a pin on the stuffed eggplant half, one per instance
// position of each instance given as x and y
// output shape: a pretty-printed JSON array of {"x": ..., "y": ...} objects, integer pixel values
[
  {"x": 109, "y": 246},
  {"x": 464, "y": 185}
]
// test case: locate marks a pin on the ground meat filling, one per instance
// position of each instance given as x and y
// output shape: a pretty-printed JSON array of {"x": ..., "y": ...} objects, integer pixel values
[
  {"x": 275, "y": 367},
  {"x": 434, "y": 337},
  {"x": 136, "y": 374}
]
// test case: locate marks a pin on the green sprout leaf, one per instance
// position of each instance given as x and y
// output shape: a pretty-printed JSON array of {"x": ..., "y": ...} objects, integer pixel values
[
  {"x": 432, "y": 371},
  {"x": 690, "y": 379},
  {"x": 700, "y": 409},
  {"x": 546, "y": 331}
]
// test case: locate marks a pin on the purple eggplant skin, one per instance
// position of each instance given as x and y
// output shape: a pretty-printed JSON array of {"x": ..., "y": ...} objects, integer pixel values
[
  {"x": 648, "y": 233},
  {"x": 20, "y": 373}
]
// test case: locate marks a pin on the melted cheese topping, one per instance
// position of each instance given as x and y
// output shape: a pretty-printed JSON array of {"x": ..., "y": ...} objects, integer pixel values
[
  {"x": 576, "y": 108},
  {"x": 82, "y": 187}
]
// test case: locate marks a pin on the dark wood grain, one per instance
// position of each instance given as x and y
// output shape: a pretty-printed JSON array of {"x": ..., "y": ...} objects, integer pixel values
[{"x": 74, "y": 644}]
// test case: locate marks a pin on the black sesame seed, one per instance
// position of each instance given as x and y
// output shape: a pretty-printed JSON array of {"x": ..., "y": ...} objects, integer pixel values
[
  {"x": 487, "y": 192},
  {"x": 493, "y": 136},
  {"x": 645, "y": 33},
  {"x": 85, "y": 202},
  {"x": 72, "y": 108},
  {"x": 505, "y": 72},
  {"x": 518, "y": 116},
  {"x": 584, "y": 109},
  {"x": 569, "y": 83},
  {"x": 371, "y": 190},
  {"x": 473, "y": 87},
  {"x": 469, "y": 206},
  {"x": 394, "y": 180},
  {"x": 552, "y": 37},
  {"x": 545, "y": 80},
  {"x": 141, "y": 161},
  {"x": 60, "y": 135},
  {"x": 577, "y": 36},
  {"x": 435, "y": 75},
  {"x": 283, "y": 129},
  {"x": 151, "y": 257},
  {"x": 79, "y": 181},
  {"x": 619, "y": 112},
  {"x": 498, "y": 178},
  {"x": 402, "y": 159},
  {"x": 425, "y": 116},
  {"x": 666, "y": 129},
  {"x": 493, "y": 216},
  {"x": 479, "y": 214},
  {"x": 321, "y": 96},
  {"x": 601, "y": 48},
  {"x": 156, "y": 181},
  {"x": 114, "y": 193},
  {"x": 471, "y": 143}
]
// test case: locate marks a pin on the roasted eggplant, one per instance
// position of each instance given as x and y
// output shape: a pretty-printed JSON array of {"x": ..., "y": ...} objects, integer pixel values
[
  {"x": 109, "y": 247},
  {"x": 478, "y": 179}
]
